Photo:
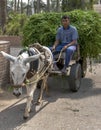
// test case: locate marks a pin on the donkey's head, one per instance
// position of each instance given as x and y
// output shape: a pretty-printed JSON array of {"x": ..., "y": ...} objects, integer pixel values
[{"x": 20, "y": 66}]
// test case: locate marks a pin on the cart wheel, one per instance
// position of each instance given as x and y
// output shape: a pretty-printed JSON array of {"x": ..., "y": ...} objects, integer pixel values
[{"x": 75, "y": 77}]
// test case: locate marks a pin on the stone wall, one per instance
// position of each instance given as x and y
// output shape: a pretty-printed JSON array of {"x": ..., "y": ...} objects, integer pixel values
[
  {"x": 15, "y": 41},
  {"x": 4, "y": 64},
  {"x": 6, "y": 44}
]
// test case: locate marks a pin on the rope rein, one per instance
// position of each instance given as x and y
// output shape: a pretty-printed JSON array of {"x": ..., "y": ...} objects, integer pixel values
[{"x": 39, "y": 75}]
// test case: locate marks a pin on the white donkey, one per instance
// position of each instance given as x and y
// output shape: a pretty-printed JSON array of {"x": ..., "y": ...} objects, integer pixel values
[{"x": 21, "y": 71}]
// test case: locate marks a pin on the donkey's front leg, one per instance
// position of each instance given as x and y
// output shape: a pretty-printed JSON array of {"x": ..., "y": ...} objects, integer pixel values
[{"x": 30, "y": 91}]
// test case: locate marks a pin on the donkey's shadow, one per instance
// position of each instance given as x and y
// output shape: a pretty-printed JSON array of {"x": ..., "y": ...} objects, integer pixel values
[{"x": 12, "y": 117}]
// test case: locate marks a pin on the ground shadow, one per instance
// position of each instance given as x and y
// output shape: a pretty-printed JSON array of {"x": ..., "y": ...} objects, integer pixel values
[
  {"x": 60, "y": 89},
  {"x": 12, "y": 117}
]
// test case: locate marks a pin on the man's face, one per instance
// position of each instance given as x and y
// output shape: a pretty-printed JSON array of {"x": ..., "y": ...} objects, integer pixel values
[{"x": 65, "y": 22}]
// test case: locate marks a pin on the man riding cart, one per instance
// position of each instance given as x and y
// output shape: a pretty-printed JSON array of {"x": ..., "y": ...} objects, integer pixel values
[
  {"x": 66, "y": 42},
  {"x": 64, "y": 49}
]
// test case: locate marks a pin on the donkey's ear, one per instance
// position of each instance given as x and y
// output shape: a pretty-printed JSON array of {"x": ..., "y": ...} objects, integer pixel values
[
  {"x": 32, "y": 58},
  {"x": 8, "y": 56}
]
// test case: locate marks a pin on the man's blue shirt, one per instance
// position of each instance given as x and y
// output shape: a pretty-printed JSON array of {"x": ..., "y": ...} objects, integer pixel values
[{"x": 67, "y": 35}]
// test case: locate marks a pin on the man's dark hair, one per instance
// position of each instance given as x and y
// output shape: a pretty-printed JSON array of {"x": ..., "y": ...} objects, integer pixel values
[{"x": 65, "y": 17}]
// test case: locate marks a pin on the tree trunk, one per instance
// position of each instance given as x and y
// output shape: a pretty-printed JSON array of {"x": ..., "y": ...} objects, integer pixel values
[
  {"x": 32, "y": 6},
  {"x": 3, "y": 9},
  {"x": 83, "y": 4},
  {"x": 58, "y": 5},
  {"x": 18, "y": 5},
  {"x": 38, "y": 6},
  {"x": 21, "y": 7},
  {"x": 48, "y": 5},
  {"x": 15, "y": 5},
  {"x": 28, "y": 8}
]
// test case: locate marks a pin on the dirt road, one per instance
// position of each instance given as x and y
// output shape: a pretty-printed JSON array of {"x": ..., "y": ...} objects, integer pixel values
[{"x": 62, "y": 110}]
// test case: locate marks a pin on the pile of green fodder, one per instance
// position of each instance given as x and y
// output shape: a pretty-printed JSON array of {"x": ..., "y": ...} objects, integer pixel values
[{"x": 42, "y": 28}]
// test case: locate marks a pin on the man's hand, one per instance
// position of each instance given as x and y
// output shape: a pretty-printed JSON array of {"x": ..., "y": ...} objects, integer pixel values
[
  {"x": 64, "y": 48},
  {"x": 53, "y": 48}
]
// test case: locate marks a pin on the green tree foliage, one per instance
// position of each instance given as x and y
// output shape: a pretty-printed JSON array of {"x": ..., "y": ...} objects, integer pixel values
[
  {"x": 42, "y": 28},
  {"x": 15, "y": 24},
  {"x": 68, "y": 5}
]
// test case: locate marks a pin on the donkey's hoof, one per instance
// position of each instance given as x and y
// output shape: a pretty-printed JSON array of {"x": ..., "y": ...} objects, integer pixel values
[
  {"x": 37, "y": 103},
  {"x": 25, "y": 117}
]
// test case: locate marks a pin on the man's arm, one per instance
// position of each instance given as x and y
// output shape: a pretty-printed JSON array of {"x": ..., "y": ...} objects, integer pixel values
[
  {"x": 57, "y": 41},
  {"x": 55, "y": 44},
  {"x": 70, "y": 44}
]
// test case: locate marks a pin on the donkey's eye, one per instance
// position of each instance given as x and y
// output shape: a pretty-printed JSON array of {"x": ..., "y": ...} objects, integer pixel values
[
  {"x": 23, "y": 74},
  {"x": 12, "y": 73}
]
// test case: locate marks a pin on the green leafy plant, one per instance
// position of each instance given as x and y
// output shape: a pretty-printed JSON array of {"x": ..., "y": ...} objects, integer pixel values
[
  {"x": 15, "y": 24},
  {"x": 42, "y": 28}
]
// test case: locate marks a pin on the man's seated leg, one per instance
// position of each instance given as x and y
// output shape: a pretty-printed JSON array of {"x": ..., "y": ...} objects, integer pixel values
[
  {"x": 69, "y": 53},
  {"x": 55, "y": 52}
]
